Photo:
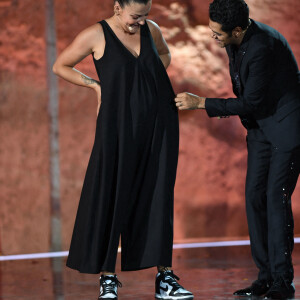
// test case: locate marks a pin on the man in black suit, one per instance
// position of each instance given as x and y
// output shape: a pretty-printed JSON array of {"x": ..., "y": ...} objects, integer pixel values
[{"x": 266, "y": 82}]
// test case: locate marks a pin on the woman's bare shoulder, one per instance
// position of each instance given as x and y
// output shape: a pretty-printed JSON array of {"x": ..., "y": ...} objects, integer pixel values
[
  {"x": 153, "y": 26},
  {"x": 154, "y": 29},
  {"x": 94, "y": 31}
]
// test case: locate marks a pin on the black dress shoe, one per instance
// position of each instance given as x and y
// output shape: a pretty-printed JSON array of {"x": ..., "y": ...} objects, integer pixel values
[
  {"x": 281, "y": 289},
  {"x": 258, "y": 288}
]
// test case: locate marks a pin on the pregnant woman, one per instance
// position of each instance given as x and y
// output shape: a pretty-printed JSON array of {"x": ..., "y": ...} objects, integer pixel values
[{"x": 128, "y": 191}]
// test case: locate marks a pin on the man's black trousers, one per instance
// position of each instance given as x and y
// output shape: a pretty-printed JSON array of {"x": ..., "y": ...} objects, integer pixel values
[{"x": 271, "y": 179}]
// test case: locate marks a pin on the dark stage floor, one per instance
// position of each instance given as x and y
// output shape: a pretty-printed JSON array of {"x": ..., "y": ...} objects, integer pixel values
[{"x": 210, "y": 273}]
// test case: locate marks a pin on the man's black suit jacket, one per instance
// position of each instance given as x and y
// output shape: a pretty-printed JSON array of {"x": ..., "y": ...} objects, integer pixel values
[{"x": 269, "y": 86}]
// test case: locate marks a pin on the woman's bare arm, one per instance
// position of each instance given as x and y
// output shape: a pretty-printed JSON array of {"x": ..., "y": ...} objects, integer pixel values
[
  {"x": 83, "y": 45},
  {"x": 160, "y": 43}
]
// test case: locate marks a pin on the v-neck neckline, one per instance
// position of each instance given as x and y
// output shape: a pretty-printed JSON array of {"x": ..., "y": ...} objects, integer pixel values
[{"x": 129, "y": 52}]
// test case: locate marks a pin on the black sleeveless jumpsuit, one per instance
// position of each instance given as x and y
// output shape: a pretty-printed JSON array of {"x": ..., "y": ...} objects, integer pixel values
[{"x": 128, "y": 189}]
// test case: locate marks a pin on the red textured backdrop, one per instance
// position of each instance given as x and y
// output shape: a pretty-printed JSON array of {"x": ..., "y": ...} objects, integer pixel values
[{"x": 209, "y": 193}]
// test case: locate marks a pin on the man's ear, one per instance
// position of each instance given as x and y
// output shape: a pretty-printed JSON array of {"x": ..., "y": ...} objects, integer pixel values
[{"x": 237, "y": 31}]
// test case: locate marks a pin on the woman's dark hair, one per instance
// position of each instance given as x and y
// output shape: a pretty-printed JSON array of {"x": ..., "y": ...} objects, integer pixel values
[
  {"x": 230, "y": 14},
  {"x": 126, "y": 2}
]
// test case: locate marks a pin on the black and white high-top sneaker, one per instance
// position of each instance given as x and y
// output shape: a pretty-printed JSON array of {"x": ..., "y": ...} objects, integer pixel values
[
  {"x": 166, "y": 287},
  {"x": 109, "y": 287}
]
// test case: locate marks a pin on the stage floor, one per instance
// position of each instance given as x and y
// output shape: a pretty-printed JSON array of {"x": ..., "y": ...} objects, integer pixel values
[{"x": 210, "y": 273}]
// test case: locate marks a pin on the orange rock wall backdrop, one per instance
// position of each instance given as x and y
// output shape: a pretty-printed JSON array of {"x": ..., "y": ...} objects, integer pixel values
[{"x": 209, "y": 193}]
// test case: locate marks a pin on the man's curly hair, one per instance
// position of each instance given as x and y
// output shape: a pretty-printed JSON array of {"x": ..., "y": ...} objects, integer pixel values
[{"x": 230, "y": 14}]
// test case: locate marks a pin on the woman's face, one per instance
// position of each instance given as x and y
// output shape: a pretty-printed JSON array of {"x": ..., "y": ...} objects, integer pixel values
[{"x": 132, "y": 15}]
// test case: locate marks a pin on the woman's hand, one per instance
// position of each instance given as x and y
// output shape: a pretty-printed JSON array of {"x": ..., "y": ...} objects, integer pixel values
[{"x": 98, "y": 93}]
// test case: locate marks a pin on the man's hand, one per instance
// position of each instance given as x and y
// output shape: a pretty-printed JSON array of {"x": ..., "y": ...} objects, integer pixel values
[{"x": 186, "y": 101}]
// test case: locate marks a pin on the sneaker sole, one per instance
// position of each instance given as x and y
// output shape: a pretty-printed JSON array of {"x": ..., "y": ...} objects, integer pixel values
[{"x": 157, "y": 296}]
